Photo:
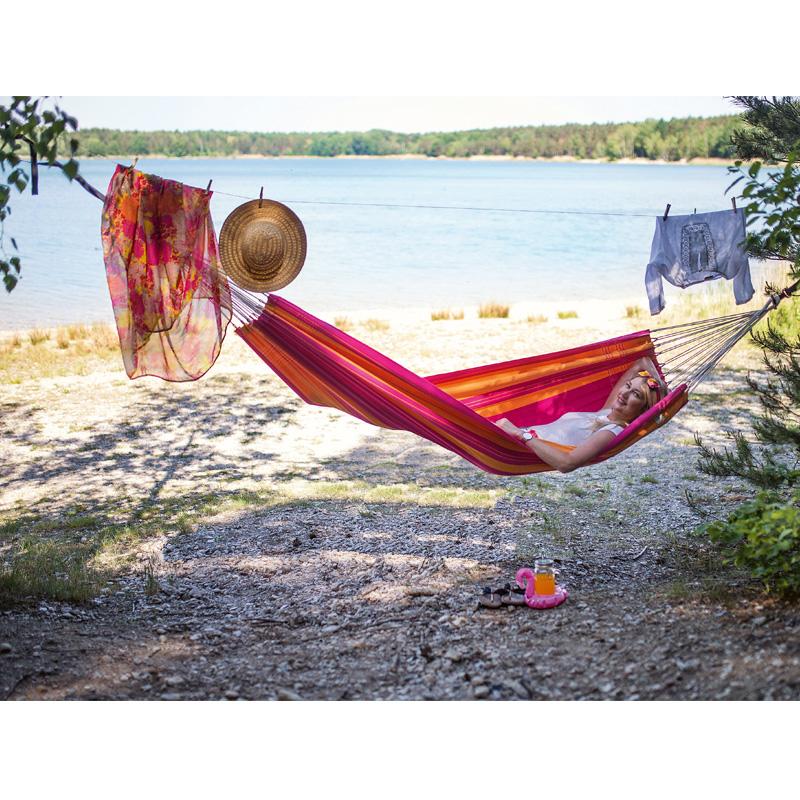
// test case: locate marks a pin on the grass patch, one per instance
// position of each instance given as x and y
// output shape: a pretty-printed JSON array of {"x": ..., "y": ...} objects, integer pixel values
[
  {"x": 493, "y": 311},
  {"x": 376, "y": 325},
  {"x": 567, "y": 314},
  {"x": 68, "y": 350},
  {"x": 648, "y": 479},
  {"x": 633, "y": 312},
  {"x": 54, "y": 570},
  {"x": 446, "y": 313},
  {"x": 343, "y": 323},
  {"x": 69, "y": 557},
  {"x": 79, "y": 331},
  {"x": 450, "y": 497},
  {"x": 537, "y": 319},
  {"x": 37, "y": 336}
]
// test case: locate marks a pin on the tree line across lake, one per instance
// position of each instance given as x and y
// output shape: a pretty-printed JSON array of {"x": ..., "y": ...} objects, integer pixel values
[{"x": 669, "y": 140}]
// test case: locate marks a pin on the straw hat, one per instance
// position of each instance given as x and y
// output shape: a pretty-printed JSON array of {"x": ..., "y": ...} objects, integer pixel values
[{"x": 262, "y": 245}]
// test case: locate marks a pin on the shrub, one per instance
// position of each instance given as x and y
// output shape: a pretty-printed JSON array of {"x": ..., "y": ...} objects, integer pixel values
[
  {"x": 537, "y": 319},
  {"x": 631, "y": 312},
  {"x": 567, "y": 314},
  {"x": 37, "y": 336},
  {"x": 343, "y": 323},
  {"x": 763, "y": 537},
  {"x": 446, "y": 313},
  {"x": 493, "y": 310},
  {"x": 376, "y": 325}
]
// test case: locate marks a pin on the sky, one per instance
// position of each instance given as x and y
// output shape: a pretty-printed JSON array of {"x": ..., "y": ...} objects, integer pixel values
[{"x": 402, "y": 114}]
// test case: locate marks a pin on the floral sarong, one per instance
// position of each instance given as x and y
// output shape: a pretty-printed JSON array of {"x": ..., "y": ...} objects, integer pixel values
[{"x": 171, "y": 300}]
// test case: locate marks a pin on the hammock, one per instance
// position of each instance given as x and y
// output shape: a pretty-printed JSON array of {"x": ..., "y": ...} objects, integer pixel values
[{"x": 328, "y": 367}]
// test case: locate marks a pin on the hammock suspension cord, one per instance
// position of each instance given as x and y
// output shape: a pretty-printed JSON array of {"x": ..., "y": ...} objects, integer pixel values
[{"x": 688, "y": 352}]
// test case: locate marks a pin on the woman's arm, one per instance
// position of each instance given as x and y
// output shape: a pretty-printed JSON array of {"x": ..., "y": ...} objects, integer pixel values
[
  {"x": 563, "y": 461},
  {"x": 642, "y": 363}
]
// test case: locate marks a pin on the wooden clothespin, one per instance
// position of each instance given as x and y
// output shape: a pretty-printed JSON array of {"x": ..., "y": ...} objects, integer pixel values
[
  {"x": 694, "y": 212},
  {"x": 135, "y": 162},
  {"x": 666, "y": 211},
  {"x": 733, "y": 203},
  {"x": 208, "y": 188},
  {"x": 261, "y": 197}
]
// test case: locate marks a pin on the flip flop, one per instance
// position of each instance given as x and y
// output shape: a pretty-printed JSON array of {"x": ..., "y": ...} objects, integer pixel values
[
  {"x": 511, "y": 596},
  {"x": 490, "y": 598}
]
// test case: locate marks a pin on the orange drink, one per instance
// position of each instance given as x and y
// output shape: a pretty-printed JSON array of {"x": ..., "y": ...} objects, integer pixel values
[{"x": 544, "y": 576}]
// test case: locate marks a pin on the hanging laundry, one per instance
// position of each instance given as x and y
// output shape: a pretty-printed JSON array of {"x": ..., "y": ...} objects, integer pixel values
[
  {"x": 171, "y": 301},
  {"x": 694, "y": 248}
]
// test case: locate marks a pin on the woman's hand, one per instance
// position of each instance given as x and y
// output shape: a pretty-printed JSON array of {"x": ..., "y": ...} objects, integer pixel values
[{"x": 509, "y": 427}]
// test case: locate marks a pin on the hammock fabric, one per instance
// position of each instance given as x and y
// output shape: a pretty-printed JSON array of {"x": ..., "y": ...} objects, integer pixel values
[
  {"x": 171, "y": 303},
  {"x": 327, "y": 367}
]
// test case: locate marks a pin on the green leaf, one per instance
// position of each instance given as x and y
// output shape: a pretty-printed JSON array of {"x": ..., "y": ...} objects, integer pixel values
[{"x": 71, "y": 168}]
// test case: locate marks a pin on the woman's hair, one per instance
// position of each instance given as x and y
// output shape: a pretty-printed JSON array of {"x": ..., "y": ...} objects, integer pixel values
[{"x": 655, "y": 388}]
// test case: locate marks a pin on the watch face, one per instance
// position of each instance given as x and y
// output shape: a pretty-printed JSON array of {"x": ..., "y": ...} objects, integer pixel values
[{"x": 527, "y": 436}]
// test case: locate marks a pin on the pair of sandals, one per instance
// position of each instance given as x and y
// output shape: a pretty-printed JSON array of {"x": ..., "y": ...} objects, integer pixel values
[{"x": 497, "y": 598}]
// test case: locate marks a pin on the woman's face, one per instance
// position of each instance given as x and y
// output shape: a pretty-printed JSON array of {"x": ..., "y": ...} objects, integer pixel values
[{"x": 631, "y": 399}]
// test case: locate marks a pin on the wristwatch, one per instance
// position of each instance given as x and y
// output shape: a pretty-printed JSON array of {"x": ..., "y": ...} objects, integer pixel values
[{"x": 526, "y": 436}]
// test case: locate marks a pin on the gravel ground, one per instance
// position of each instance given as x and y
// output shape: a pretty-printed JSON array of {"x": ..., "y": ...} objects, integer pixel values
[{"x": 359, "y": 577}]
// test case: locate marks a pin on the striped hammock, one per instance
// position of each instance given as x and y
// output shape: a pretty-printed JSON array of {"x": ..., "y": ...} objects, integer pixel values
[{"x": 327, "y": 367}]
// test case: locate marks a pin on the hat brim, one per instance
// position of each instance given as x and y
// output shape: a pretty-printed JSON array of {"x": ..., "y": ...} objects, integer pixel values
[{"x": 256, "y": 275}]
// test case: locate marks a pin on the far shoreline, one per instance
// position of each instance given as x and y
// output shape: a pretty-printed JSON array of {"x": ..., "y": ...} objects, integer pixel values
[{"x": 694, "y": 162}]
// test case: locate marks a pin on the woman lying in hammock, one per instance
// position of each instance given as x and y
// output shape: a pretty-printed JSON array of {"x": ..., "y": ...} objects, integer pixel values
[{"x": 589, "y": 432}]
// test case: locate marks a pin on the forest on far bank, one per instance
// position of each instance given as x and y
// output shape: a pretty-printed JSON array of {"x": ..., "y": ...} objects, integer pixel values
[{"x": 668, "y": 140}]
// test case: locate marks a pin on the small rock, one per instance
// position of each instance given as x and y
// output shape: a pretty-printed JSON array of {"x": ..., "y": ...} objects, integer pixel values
[
  {"x": 479, "y": 692},
  {"x": 518, "y": 689},
  {"x": 288, "y": 694},
  {"x": 173, "y": 680},
  {"x": 454, "y": 655},
  {"x": 171, "y": 696},
  {"x": 759, "y": 620},
  {"x": 231, "y": 694},
  {"x": 5, "y": 648}
]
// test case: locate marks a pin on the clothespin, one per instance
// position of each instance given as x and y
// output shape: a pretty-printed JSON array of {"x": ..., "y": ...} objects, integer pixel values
[
  {"x": 135, "y": 162},
  {"x": 694, "y": 212},
  {"x": 666, "y": 211},
  {"x": 261, "y": 197},
  {"x": 208, "y": 188},
  {"x": 733, "y": 203}
]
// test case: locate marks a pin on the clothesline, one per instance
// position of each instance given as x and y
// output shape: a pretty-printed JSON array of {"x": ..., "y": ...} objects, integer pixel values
[{"x": 450, "y": 208}]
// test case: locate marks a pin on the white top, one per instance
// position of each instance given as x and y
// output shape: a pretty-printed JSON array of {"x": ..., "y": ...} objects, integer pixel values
[{"x": 575, "y": 427}]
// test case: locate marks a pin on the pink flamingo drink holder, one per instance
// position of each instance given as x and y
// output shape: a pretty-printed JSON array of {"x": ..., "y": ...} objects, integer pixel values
[{"x": 533, "y": 600}]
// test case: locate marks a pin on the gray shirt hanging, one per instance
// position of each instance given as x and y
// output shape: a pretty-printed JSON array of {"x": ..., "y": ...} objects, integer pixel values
[{"x": 695, "y": 248}]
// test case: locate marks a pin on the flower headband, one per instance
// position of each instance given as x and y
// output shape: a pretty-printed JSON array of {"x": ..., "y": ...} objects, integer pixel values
[{"x": 651, "y": 381}]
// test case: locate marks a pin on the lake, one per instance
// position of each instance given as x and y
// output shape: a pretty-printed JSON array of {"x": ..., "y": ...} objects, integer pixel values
[{"x": 373, "y": 257}]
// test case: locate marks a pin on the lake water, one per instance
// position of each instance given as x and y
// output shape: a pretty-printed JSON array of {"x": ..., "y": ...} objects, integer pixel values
[{"x": 362, "y": 257}]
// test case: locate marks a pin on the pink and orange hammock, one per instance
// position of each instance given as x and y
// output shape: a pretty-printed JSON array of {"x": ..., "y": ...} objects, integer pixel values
[{"x": 327, "y": 367}]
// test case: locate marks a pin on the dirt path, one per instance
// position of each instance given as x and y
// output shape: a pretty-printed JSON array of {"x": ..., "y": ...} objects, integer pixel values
[{"x": 265, "y": 549}]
